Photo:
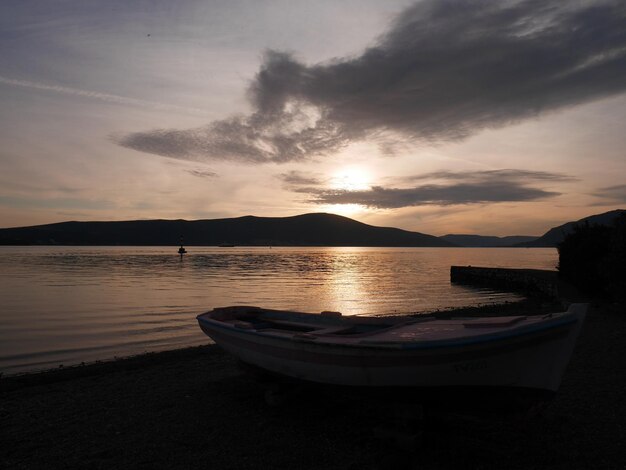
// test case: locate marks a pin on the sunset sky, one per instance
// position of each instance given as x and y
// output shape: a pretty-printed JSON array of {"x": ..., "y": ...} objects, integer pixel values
[{"x": 439, "y": 116}]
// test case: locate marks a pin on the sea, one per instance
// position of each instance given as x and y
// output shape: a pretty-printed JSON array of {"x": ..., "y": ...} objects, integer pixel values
[{"x": 62, "y": 305}]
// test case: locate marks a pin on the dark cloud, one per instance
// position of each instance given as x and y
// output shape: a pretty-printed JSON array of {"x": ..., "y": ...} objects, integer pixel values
[
  {"x": 615, "y": 194},
  {"x": 258, "y": 138},
  {"x": 460, "y": 188},
  {"x": 444, "y": 70},
  {"x": 490, "y": 175},
  {"x": 390, "y": 198},
  {"x": 300, "y": 178},
  {"x": 202, "y": 173}
]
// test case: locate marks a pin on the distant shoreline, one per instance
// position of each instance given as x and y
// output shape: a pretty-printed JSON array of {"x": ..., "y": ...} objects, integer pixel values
[
  {"x": 268, "y": 246},
  {"x": 313, "y": 229}
]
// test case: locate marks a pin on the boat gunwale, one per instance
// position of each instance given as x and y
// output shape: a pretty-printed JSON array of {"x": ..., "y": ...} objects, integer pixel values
[{"x": 564, "y": 319}]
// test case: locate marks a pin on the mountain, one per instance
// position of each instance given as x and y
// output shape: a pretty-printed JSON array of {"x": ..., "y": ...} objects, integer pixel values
[
  {"x": 555, "y": 235},
  {"x": 483, "y": 241},
  {"x": 300, "y": 230}
]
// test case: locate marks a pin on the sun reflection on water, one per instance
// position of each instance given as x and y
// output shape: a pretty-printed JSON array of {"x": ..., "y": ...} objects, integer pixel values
[{"x": 74, "y": 304}]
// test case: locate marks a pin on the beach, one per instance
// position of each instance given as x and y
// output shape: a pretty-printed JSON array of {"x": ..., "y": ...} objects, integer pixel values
[{"x": 195, "y": 407}]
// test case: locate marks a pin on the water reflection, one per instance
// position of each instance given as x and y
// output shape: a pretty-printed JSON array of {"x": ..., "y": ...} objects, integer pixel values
[
  {"x": 73, "y": 304},
  {"x": 347, "y": 282}
]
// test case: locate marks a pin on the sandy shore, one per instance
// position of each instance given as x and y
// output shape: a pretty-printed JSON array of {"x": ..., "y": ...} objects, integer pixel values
[{"x": 194, "y": 407}]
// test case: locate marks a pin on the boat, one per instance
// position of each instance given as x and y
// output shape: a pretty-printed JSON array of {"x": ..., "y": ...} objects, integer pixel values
[{"x": 527, "y": 352}]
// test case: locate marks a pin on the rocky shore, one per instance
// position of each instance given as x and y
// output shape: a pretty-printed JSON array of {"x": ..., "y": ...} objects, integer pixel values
[{"x": 196, "y": 408}]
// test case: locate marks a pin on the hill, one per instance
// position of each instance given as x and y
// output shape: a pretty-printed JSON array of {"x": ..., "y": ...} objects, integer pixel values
[
  {"x": 301, "y": 230},
  {"x": 486, "y": 241},
  {"x": 555, "y": 235}
]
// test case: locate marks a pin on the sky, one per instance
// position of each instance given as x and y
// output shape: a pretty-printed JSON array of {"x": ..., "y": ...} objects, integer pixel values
[{"x": 438, "y": 116}]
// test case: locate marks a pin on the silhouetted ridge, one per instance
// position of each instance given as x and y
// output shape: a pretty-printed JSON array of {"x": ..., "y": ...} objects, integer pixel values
[
  {"x": 555, "y": 235},
  {"x": 302, "y": 230},
  {"x": 486, "y": 241}
]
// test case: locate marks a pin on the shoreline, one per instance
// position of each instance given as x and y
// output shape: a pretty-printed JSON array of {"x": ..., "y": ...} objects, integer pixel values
[
  {"x": 100, "y": 367},
  {"x": 524, "y": 306}
]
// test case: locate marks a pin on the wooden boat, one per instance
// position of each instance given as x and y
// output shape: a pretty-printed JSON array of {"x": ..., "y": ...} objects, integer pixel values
[{"x": 514, "y": 351}]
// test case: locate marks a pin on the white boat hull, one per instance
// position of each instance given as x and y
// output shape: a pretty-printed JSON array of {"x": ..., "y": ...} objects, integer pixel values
[{"x": 535, "y": 359}]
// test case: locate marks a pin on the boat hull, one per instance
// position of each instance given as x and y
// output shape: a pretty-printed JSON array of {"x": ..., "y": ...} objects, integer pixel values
[{"x": 535, "y": 360}]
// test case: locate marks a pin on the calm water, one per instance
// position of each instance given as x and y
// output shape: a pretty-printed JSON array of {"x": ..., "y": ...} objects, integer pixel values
[{"x": 65, "y": 305}]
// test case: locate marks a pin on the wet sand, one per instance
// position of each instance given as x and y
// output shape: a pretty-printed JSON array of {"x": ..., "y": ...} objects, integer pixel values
[{"x": 195, "y": 407}]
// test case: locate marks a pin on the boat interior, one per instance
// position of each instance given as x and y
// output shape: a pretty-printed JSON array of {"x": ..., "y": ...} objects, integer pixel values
[
  {"x": 333, "y": 325},
  {"x": 301, "y": 324}
]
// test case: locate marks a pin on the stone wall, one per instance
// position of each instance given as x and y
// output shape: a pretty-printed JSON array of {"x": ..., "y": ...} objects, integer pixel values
[{"x": 531, "y": 282}]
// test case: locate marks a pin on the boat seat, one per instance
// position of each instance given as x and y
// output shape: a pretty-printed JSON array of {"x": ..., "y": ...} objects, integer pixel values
[
  {"x": 497, "y": 322},
  {"x": 313, "y": 335},
  {"x": 243, "y": 325},
  {"x": 304, "y": 337},
  {"x": 295, "y": 324},
  {"x": 332, "y": 330},
  {"x": 329, "y": 313}
]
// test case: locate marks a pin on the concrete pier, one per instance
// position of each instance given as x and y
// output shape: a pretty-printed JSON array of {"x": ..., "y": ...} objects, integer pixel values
[{"x": 531, "y": 282}]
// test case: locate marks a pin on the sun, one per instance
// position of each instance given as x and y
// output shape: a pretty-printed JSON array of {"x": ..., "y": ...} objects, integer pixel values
[
  {"x": 350, "y": 179},
  {"x": 348, "y": 210}
]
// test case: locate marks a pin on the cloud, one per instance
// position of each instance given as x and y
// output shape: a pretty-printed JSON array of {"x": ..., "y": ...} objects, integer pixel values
[
  {"x": 117, "y": 99},
  {"x": 458, "y": 188},
  {"x": 300, "y": 178},
  {"x": 489, "y": 175},
  {"x": 201, "y": 173},
  {"x": 444, "y": 70},
  {"x": 615, "y": 194},
  {"x": 391, "y": 198},
  {"x": 20, "y": 202},
  {"x": 258, "y": 138}
]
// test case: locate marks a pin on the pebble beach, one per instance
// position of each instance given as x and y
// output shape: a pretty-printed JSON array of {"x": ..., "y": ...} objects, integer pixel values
[{"x": 195, "y": 407}]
